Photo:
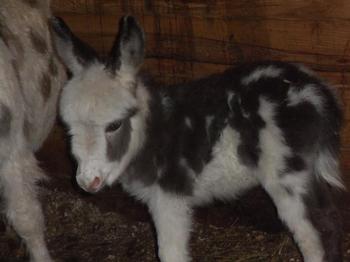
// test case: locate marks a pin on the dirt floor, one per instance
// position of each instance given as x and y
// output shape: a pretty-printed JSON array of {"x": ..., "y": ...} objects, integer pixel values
[{"x": 111, "y": 226}]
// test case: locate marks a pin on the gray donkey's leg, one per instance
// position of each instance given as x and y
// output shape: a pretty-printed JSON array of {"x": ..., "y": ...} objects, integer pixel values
[{"x": 23, "y": 210}]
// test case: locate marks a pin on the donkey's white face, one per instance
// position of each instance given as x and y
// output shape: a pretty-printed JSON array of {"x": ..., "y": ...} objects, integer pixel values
[{"x": 100, "y": 104}]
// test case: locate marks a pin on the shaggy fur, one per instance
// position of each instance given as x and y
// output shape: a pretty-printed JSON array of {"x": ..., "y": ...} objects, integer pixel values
[
  {"x": 270, "y": 124},
  {"x": 30, "y": 80}
]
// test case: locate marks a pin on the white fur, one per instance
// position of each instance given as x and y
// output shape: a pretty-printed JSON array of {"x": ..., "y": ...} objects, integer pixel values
[
  {"x": 290, "y": 207},
  {"x": 328, "y": 169},
  {"x": 103, "y": 100},
  {"x": 269, "y": 71},
  {"x": 307, "y": 94},
  {"x": 188, "y": 122},
  {"x": 172, "y": 217},
  {"x": 291, "y": 210},
  {"x": 106, "y": 102},
  {"x": 208, "y": 121},
  {"x": 305, "y": 69},
  {"x": 224, "y": 177}
]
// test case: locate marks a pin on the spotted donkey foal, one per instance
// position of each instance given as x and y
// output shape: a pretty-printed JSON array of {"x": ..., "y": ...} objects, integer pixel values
[
  {"x": 30, "y": 80},
  {"x": 270, "y": 124}
]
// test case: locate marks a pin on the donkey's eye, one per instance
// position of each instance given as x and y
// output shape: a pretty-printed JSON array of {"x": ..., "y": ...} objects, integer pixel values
[{"x": 114, "y": 126}]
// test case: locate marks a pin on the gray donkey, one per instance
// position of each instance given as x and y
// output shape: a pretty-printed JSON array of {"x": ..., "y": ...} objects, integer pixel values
[
  {"x": 30, "y": 80},
  {"x": 271, "y": 124}
]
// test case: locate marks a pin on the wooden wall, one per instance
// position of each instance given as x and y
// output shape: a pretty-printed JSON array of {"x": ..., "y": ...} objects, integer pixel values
[{"x": 193, "y": 38}]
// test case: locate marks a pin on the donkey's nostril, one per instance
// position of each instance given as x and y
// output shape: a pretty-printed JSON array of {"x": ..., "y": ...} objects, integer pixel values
[{"x": 95, "y": 183}]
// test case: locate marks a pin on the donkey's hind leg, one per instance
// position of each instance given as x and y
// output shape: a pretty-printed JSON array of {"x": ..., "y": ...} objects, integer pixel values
[
  {"x": 297, "y": 205},
  {"x": 326, "y": 219},
  {"x": 23, "y": 210}
]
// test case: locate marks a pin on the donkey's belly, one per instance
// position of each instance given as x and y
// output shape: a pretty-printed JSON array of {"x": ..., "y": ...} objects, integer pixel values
[{"x": 225, "y": 176}]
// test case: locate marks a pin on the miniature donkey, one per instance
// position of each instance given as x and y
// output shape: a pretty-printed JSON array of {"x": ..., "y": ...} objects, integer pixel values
[
  {"x": 30, "y": 80},
  {"x": 270, "y": 124}
]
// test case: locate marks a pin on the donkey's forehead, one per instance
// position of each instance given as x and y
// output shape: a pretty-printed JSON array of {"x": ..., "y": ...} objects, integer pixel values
[
  {"x": 96, "y": 79},
  {"x": 97, "y": 98}
]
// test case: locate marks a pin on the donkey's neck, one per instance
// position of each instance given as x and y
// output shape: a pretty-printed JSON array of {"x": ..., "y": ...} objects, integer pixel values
[{"x": 181, "y": 124}]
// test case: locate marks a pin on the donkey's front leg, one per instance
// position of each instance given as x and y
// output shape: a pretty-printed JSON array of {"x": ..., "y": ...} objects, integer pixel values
[
  {"x": 18, "y": 177},
  {"x": 172, "y": 218}
]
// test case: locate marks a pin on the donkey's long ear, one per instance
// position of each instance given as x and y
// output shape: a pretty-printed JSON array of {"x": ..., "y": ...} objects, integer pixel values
[
  {"x": 75, "y": 53},
  {"x": 128, "y": 49}
]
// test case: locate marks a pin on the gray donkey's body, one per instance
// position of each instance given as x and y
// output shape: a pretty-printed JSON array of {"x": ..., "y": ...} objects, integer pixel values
[{"x": 30, "y": 81}]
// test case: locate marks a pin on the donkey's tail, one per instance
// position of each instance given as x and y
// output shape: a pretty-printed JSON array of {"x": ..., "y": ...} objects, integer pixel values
[
  {"x": 327, "y": 160},
  {"x": 327, "y": 168}
]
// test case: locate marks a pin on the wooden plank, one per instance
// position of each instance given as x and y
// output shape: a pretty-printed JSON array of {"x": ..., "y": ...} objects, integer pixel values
[
  {"x": 76, "y": 6},
  {"x": 83, "y": 23},
  {"x": 229, "y": 52},
  {"x": 345, "y": 137},
  {"x": 319, "y": 37},
  {"x": 228, "y": 9},
  {"x": 87, "y": 27},
  {"x": 222, "y": 42},
  {"x": 322, "y": 38},
  {"x": 345, "y": 161},
  {"x": 168, "y": 71},
  {"x": 187, "y": 70},
  {"x": 346, "y": 99}
]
